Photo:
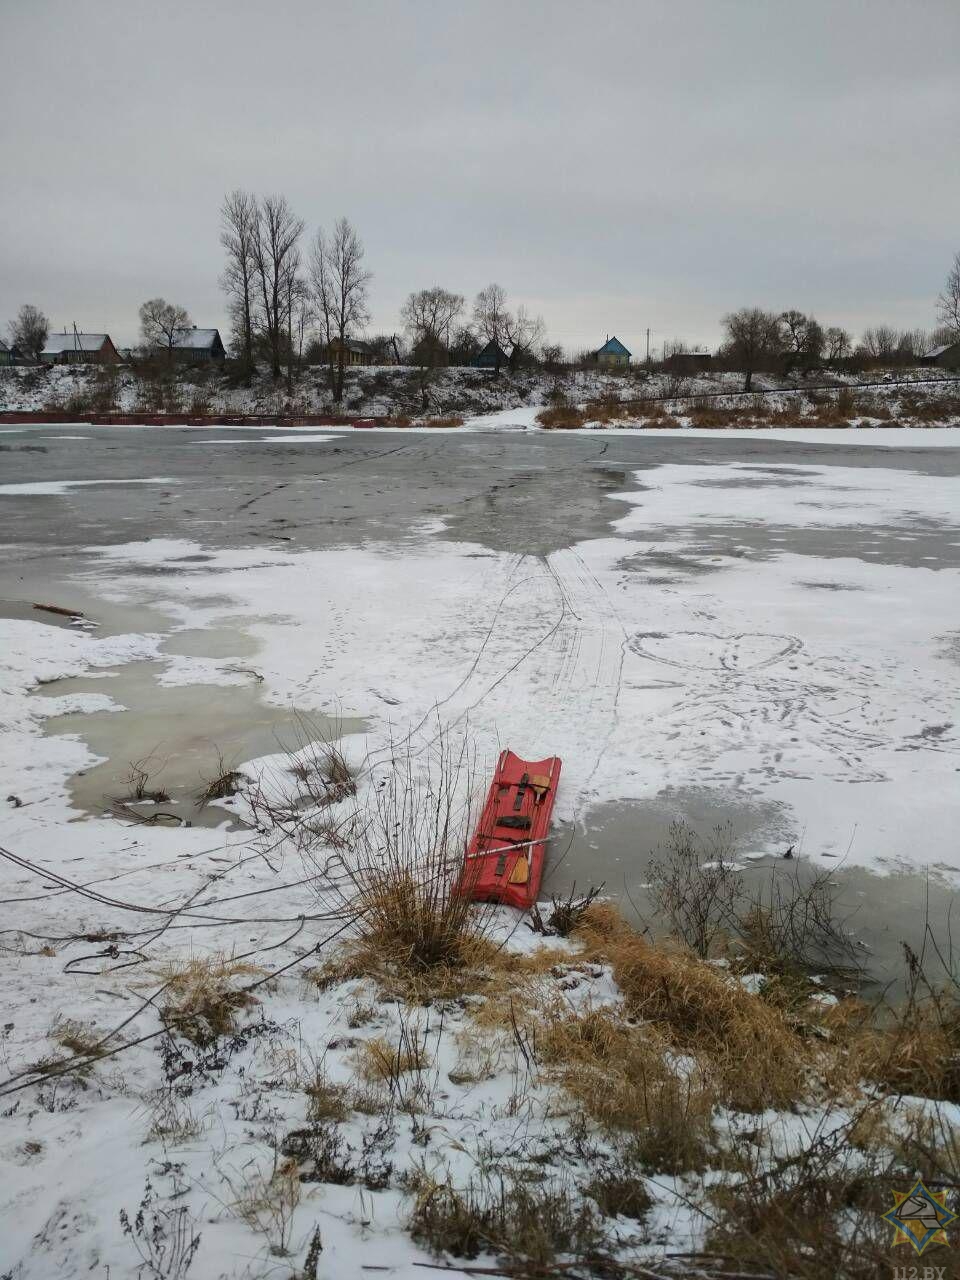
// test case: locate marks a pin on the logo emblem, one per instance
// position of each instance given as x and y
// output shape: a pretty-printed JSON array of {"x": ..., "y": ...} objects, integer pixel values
[{"x": 919, "y": 1217}]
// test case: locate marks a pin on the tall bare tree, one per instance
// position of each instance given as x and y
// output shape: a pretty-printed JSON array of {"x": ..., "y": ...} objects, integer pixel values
[
  {"x": 239, "y": 216},
  {"x": 162, "y": 324},
  {"x": 802, "y": 338},
  {"x": 948, "y": 303},
  {"x": 340, "y": 286},
  {"x": 276, "y": 259},
  {"x": 29, "y": 331},
  {"x": 879, "y": 344},
  {"x": 753, "y": 339},
  {"x": 429, "y": 316},
  {"x": 524, "y": 333},
  {"x": 491, "y": 319},
  {"x": 838, "y": 344}
]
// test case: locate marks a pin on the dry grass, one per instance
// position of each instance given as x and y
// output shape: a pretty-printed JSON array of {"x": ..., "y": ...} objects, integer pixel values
[
  {"x": 626, "y": 1078},
  {"x": 562, "y": 417},
  {"x": 527, "y": 1226},
  {"x": 757, "y": 1059},
  {"x": 381, "y": 1062},
  {"x": 201, "y": 996},
  {"x": 450, "y": 420},
  {"x": 267, "y": 1200}
]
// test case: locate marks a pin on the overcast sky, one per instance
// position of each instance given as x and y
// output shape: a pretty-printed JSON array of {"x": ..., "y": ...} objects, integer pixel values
[{"x": 614, "y": 165}]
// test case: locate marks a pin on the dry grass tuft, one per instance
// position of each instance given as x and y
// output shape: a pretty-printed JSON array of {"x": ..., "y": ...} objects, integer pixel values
[
  {"x": 380, "y": 1062},
  {"x": 450, "y": 420},
  {"x": 626, "y": 1078},
  {"x": 562, "y": 417},
  {"x": 757, "y": 1059},
  {"x": 527, "y": 1226},
  {"x": 201, "y": 998}
]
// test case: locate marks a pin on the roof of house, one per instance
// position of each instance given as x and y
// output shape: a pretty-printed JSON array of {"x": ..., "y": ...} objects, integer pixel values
[
  {"x": 614, "y": 347},
  {"x": 938, "y": 351},
  {"x": 4, "y": 346},
  {"x": 493, "y": 346},
  {"x": 354, "y": 344},
  {"x": 195, "y": 339},
  {"x": 57, "y": 343}
]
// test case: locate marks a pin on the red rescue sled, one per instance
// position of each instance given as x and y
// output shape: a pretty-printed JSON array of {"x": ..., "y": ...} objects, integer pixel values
[{"x": 504, "y": 860}]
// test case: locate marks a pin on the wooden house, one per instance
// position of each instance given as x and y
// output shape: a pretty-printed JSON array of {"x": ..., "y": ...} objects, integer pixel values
[
  {"x": 688, "y": 361},
  {"x": 945, "y": 357},
  {"x": 354, "y": 352},
  {"x": 492, "y": 356},
  {"x": 194, "y": 346},
  {"x": 79, "y": 348},
  {"x": 613, "y": 354}
]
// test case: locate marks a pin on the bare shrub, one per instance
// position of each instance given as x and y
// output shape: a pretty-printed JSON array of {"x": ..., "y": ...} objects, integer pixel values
[
  {"x": 806, "y": 1218},
  {"x": 399, "y": 883},
  {"x": 565, "y": 913},
  {"x": 792, "y": 927},
  {"x": 226, "y": 782},
  {"x": 165, "y": 1237},
  {"x": 266, "y": 1200},
  {"x": 695, "y": 885},
  {"x": 139, "y": 776},
  {"x": 171, "y": 1120}
]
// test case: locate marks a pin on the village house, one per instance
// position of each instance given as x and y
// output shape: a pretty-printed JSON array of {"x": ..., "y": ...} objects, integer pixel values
[
  {"x": 194, "y": 346},
  {"x": 492, "y": 356},
  {"x": 8, "y": 354},
  {"x": 79, "y": 348},
  {"x": 354, "y": 352},
  {"x": 613, "y": 354},
  {"x": 688, "y": 361},
  {"x": 945, "y": 357}
]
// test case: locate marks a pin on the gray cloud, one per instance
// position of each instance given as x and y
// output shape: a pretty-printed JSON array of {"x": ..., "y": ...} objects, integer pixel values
[{"x": 616, "y": 166}]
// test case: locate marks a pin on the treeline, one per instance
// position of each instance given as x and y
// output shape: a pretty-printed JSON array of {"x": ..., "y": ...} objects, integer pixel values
[
  {"x": 292, "y": 303},
  {"x": 758, "y": 341},
  {"x": 291, "y": 306}
]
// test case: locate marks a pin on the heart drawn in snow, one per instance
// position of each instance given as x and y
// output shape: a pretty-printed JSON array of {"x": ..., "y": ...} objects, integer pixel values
[{"x": 704, "y": 651}]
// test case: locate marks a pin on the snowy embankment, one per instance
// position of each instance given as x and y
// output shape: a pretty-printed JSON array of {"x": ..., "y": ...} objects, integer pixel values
[{"x": 398, "y": 392}]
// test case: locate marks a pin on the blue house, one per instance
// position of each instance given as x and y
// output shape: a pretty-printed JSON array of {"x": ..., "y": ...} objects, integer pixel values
[
  {"x": 613, "y": 354},
  {"x": 492, "y": 356}
]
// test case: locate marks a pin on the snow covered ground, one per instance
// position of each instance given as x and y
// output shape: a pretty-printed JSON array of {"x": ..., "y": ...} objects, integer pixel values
[{"x": 712, "y": 639}]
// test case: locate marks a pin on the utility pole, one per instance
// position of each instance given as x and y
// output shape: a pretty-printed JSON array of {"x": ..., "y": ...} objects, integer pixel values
[{"x": 648, "y": 346}]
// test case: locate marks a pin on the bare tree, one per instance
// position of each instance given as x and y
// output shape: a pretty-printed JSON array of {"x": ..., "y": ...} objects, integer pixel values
[
  {"x": 880, "y": 343},
  {"x": 29, "y": 331},
  {"x": 753, "y": 338},
  {"x": 464, "y": 345},
  {"x": 524, "y": 333},
  {"x": 491, "y": 319},
  {"x": 276, "y": 259},
  {"x": 429, "y": 315},
  {"x": 238, "y": 230},
  {"x": 837, "y": 343},
  {"x": 162, "y": 324},
  {"x": 912, "y": 344},
  {"x": 948, "y": 303},
  {"x": 340, "y": 286},
  {"x": 802, "y": 338},
  {"x": 300, "y": 315}
]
